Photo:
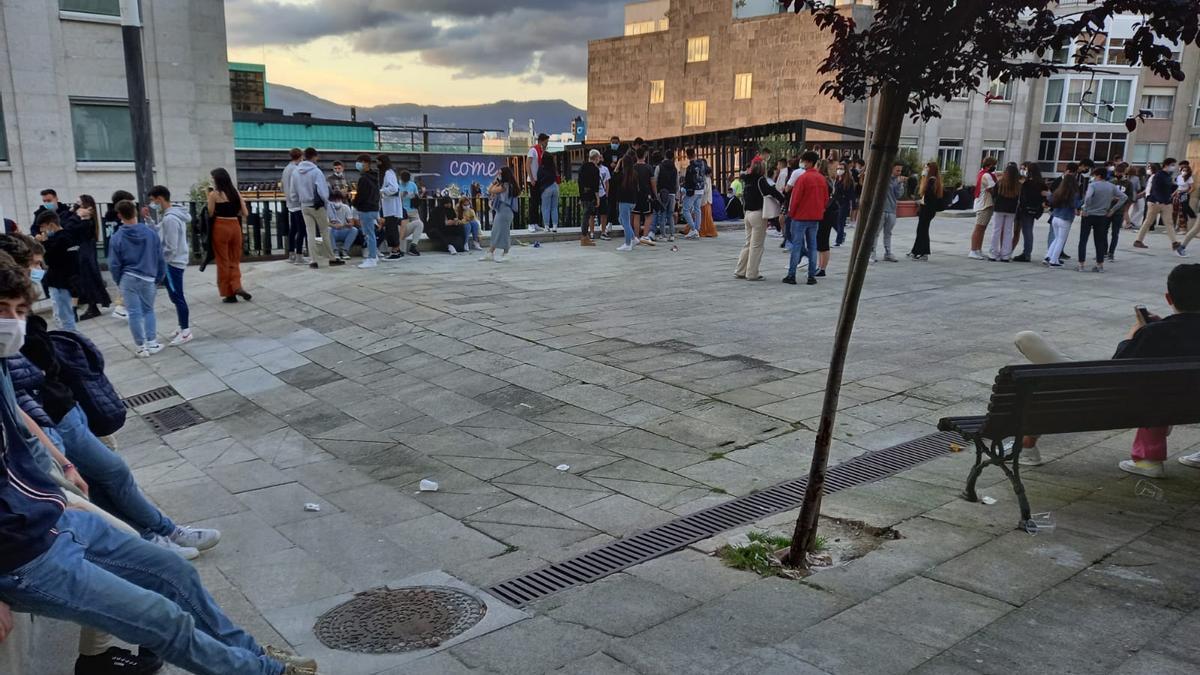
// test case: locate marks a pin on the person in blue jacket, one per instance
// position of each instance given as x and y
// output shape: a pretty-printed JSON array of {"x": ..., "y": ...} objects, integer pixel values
[{"x": 135, "y": 259}]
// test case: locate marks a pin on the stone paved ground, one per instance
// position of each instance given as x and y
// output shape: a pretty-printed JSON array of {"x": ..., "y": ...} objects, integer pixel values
[{"x": 666, "y": 386}]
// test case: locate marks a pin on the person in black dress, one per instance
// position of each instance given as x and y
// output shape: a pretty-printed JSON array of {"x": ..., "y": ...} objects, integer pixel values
[
  {"x": 643, "y": 208},
  {"x": 91, "y": 288}
]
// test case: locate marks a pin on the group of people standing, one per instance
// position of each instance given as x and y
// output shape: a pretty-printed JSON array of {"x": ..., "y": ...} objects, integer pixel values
[{"x": 1107, "y": 198}]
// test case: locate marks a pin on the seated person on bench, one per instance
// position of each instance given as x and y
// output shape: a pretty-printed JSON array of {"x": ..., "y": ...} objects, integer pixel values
[{"x": 1176, "y": 335}]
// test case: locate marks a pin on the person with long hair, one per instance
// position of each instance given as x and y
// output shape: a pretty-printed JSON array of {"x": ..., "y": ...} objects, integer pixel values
[
  {"x": 626, "y": 193},
  {"x": 547, "y": 190},
  {"x": 845, "y": 194},
  {"x": 931, "y": 195},
  {"x": 708, "y": 228},
  {"x": 1064, "y": 206},
  {"x": 1122, "y": 178},
  {"x": 772, "y": 208},
  {"x": 984, "y": 205},
  {"x": 226, "y": 209},
  {"x": 828, "y": 223},
  {"x": 1006, "y": 195},
  {"x": 505, "y": 195},
  {"x": 757, "y": 189},
  {"x": 92, "y": 290},
  {"x": 391, "y": 207},
  {"x": 1029, "y": 208}
]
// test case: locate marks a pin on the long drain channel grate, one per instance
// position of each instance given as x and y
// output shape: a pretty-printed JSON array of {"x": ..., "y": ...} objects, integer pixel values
[
  {"x": 160, "y": 394},
  {"x": 695, "y": 527}
]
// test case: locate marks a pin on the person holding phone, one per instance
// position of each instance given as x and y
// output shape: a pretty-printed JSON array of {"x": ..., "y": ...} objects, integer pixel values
[{"x": 1176, "y": 335}]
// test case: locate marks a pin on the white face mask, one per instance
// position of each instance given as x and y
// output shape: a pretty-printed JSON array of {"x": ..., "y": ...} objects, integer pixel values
[
  {"x": 1024, "y": 173},
  {"x": 841, "y": 172},
  {"x": 12, "y": 337}
]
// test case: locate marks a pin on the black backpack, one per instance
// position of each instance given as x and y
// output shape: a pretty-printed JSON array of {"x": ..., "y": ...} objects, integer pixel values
[{"x": 691, "y": 178}]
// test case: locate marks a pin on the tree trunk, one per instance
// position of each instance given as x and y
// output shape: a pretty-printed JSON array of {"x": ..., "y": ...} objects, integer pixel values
[{"x": 889, "y": 119}]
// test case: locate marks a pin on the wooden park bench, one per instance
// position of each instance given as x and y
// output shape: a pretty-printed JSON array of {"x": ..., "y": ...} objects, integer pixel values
[{"x": 1070, "y": 397}]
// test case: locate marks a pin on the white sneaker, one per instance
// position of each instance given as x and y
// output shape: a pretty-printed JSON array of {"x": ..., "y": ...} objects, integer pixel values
[
  {"x": 451, "y": 249},
  {"x": 503, "y": 258},
  {"x": 1192, "y": 460},
  {"x": 692, "y": 235},
  {"x": 119, "y": 312},
  {"x": 1032, "y": 457},
  {"x": 975, "y": 255},
  {"x": 185, "y": 552},
  {"x": 368, "y": 263},
  {"x": 487, "y": 257},
  {"x": 1142, "y": 468},
  {"x": 195, "y": 537},
  {"x": 625, "y": 247},
  {"x": 182, "y": 338},
  {"x": 153, "y": 347},
  {"x": 141, "y": 352},
  {"x": 533, "y": 228}
]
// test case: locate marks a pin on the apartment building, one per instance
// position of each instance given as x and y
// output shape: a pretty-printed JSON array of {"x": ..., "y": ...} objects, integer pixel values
[{"x": 64, "y": 111}]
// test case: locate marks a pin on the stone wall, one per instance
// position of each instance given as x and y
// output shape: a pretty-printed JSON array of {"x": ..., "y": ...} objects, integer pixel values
[
  {"x": 782, "y": 52},
  {"x": 47, "y": 58}
]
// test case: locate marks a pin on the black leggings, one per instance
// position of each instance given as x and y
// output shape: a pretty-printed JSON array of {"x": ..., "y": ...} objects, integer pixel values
[
  {"x": 1097, "y": 226},
  {"x": 924, "y": 218},
  {"x": 391, "y": 231},
  {"x": 297, "y": 233}
]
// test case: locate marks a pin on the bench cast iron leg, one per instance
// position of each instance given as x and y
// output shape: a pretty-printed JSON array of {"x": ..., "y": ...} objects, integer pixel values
[{"x": 969, "y": 493}]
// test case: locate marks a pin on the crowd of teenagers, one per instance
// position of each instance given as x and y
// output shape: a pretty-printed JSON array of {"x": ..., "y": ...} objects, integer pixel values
[{"x": 79, "y": 541}]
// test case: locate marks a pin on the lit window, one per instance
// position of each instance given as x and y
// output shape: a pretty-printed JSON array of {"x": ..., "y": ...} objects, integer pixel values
[
  {"x": 950, "y": 152},
  {"x": 697, "y": 49},
  {"x": 658, "y": 90},
  {"x": 695, "y": 113},
  {"x": 105, "y": 7},
  {"x": 1057, "y": 148},
  {"x": 742, "y": 85},
  {"x": 103, "y": 131},
  {"x": 1161, "y": 106}
]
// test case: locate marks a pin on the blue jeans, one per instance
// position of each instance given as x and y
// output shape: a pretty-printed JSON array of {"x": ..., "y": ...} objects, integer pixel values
[
  {"x": 342, "y": 238},
  {"x": 804, "y": 243},
  {"x": 550, "y": 206},
  {"x": 139, "y": 301},
  {"x": 112, "y": 486},
  {"x": 842, "y": 216},
  {"x": 691, "y": 210},
  {"x": 100, "y": 577},
  {"x": 470, "y": 234},
  {"x": 625, "y": 212},
  {"x": 366, "y": 219},
  {"x": 664, "y": 221},
  {"x": 63, "y": 310},
  {"x": 175, "y": 293}
]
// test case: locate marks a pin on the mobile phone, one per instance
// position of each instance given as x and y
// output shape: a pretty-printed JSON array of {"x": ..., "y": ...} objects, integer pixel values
[{"x": 1143, "y": 314}]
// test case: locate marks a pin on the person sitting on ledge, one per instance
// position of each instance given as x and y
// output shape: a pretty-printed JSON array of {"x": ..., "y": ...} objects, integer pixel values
[{"x": 1177, "y": 335}]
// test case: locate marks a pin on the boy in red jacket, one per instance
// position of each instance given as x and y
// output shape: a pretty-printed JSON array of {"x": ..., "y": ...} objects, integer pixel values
[{"x": 805, "y": 211}]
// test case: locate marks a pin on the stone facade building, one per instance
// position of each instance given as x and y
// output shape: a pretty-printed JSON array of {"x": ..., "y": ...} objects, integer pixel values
[
  {"x": 64, "y": 104},
  {"x": 684, "y": 68}
]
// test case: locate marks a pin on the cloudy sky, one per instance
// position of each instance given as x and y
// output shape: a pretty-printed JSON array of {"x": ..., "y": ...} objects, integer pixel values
[{"x": 447, "y": 52}]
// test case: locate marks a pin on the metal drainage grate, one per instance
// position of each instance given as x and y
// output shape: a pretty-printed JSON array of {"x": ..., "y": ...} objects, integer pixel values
[
  {"x": 694, "y": 527},
  {"x": 160, "y": 394},
  {"x": 391, "y": 621},
  {"x": 175, "y": 418}
]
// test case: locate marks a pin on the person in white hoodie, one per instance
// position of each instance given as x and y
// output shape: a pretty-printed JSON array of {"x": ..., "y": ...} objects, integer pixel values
[
  {"x": 310, "y": 188},
  {"x": 391, "y": 208},
  {"x": 172, "y": 221}
]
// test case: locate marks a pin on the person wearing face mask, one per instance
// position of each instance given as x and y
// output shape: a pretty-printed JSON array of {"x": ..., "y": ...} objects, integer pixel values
[
  {"x": 845, "y": 193},
  {"x": 49, "y": 203},
  {"x": 1030, "y": 206},
  {"x": 135, "y": 260},
  {"x": 172, "y": 227},
  {"x": 1159, "y": 194},
  {"x": 807, "y": 201},
  {"x": 62, "y": 261}
]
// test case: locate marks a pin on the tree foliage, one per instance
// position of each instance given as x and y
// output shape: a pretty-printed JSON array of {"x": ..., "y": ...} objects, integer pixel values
[{"x": 936, "y": 49}]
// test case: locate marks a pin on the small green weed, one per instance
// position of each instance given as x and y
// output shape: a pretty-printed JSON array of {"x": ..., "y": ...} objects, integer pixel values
[{"x": 759, "y": 555}]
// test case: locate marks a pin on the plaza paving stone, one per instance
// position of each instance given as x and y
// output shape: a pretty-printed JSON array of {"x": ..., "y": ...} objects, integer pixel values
[{"x": 664, "y": 386}]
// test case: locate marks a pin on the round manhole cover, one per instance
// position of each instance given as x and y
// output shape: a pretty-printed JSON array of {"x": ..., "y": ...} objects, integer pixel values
[{"x": 389, "y": 621}]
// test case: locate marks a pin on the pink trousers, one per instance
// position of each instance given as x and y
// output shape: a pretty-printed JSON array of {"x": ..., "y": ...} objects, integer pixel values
[{"x": 1150, "y": 444}]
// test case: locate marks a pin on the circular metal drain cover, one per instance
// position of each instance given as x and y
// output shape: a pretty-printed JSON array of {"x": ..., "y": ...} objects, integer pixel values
[{"x": 389, "y": 621}]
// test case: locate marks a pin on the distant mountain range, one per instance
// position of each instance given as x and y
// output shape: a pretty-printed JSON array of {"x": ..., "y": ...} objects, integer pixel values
[{"x": 553, "y": 115}]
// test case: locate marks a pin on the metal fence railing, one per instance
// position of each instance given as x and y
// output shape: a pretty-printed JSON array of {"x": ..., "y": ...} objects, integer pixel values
[{"x": 264, "y": 231}]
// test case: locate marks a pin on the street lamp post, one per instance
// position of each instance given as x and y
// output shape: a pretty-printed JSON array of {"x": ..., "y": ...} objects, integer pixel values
[{"x": 139, "y": 106}]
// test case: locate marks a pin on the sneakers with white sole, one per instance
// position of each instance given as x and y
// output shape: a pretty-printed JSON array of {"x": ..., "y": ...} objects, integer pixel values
[
  {"x": 181, "y": 338},
  {"x": 625, "y": 247},
  {"x": 1141, "y": 467},
  {"x": 153, "y": 347},
  {"x": 185, "y": 552},
  {"x": 1192, "y": 460},
  {"x": 198, "y": 538},
  {"x": 368, "y": 263},
  {"x": 119, "y": 312},
  {"x": 975, "y": 255}
]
